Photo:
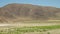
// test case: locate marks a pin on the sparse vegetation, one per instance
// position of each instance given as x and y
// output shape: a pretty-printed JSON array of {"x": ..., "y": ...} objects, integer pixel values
[
  {"x": 18, "y": 30},
  {"x": 48, "y": 33}
]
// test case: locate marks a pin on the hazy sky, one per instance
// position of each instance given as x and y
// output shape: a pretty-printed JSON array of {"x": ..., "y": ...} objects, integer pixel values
[{"x": 55, "y": 3}]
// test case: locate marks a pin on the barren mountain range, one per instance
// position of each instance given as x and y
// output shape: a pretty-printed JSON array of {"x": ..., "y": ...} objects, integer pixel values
[{"x": 28, "y": 11}]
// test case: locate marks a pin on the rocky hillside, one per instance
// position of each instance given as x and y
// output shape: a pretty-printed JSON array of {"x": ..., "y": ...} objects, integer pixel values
[{"x": 28, "y": 11}]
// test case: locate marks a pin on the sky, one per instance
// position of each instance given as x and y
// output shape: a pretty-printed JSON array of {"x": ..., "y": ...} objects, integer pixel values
[{"x": 54, "y": 3}]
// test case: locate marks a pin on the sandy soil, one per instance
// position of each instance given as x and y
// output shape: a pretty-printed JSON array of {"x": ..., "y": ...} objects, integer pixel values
[
  {"x": 30, "y": 24},
  {"x": 56, "y": 31}
]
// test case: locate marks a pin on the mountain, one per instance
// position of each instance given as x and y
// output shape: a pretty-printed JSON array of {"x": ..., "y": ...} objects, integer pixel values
[{"x": 28, "y": 11}]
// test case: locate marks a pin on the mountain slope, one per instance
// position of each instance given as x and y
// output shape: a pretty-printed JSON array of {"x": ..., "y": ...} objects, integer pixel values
[{"x": 28, "y": 11}]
